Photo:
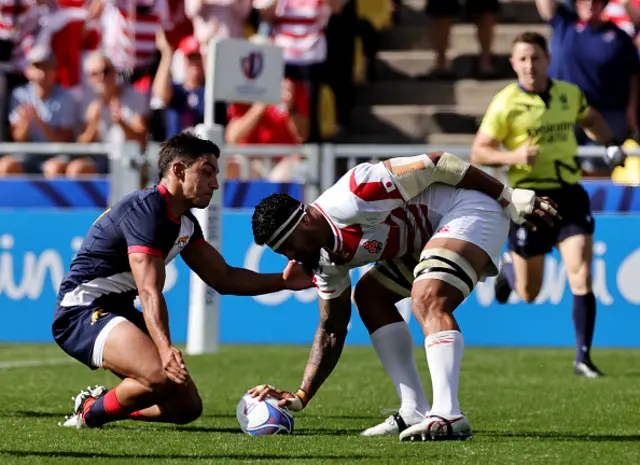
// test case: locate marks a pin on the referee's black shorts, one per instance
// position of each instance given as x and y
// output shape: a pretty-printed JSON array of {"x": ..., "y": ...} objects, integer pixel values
[{"x": 575, "y": 209}]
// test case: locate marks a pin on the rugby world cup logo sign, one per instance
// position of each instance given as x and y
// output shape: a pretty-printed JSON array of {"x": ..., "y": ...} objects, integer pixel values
[{"x": 252, "y": 65}]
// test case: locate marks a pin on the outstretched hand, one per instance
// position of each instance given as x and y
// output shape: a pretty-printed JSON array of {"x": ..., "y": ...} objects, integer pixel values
[
  {"x": 296, "y": 277},
  {"x": 286, "y": 399}
]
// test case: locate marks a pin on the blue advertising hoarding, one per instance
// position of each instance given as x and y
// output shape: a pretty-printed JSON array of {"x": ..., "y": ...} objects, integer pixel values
[{"x": 36, "y": 247}]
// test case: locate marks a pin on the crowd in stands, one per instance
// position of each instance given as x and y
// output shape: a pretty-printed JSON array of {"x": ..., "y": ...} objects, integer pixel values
[{"x": 115, "y": 70}]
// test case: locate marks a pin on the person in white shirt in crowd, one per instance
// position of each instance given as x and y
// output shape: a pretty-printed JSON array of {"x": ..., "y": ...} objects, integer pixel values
[
  {"x": 42, "y": 111},
  {"x": 298, "y": 26},
  {"x": 117, "y": 112}
]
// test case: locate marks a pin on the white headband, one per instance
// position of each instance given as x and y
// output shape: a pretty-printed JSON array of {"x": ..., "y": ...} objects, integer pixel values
[{"x": 284, "y": 231}]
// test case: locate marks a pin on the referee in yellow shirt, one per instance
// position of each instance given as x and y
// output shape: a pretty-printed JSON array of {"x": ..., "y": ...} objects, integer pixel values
[{"x": 533, "y": 120}]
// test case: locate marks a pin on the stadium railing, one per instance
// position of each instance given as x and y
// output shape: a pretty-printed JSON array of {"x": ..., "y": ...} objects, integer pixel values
[
  {"x": 125, "y": 160},
  {"x": 317, "y": 172}
]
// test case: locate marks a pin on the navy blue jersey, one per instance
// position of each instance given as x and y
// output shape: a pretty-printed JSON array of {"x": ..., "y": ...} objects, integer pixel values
[
  {"x": 601, "y": 62},
  {"x": 140, "y": 222}
]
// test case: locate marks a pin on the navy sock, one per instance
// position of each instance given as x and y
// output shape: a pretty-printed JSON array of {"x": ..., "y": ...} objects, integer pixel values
[
  {"x": 584, "y": 321},
  {"x": 510, "y": 274}
]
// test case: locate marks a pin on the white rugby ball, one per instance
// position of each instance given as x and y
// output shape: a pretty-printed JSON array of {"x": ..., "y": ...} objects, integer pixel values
[{"x": 260, "y": 418}]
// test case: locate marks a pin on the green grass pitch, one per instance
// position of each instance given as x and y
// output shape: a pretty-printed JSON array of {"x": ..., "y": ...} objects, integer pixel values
[{"x": 525, "y": 406}]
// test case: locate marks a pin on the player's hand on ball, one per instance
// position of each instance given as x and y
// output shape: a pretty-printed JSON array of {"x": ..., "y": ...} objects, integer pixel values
[
  {"x": 287, "y": 399},
  {"x": 296, "y": 277},
  {"x": 174, "y": 365}
]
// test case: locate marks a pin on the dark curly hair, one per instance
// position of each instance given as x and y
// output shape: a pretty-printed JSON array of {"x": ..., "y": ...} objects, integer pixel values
[
  {"x": 185, "y": 146},
  {"x": 269, "y": 215}
]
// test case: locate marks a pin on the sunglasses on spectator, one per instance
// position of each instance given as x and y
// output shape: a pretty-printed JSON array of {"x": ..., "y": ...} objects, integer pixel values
[{"x": 101, "y": 72}]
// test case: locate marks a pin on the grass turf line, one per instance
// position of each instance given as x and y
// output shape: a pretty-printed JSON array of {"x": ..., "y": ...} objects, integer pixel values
[{"x": 525, "y": 406}]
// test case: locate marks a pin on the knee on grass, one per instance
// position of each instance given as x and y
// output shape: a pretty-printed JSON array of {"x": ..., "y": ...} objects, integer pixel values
[{"x": 181, "y": 403}]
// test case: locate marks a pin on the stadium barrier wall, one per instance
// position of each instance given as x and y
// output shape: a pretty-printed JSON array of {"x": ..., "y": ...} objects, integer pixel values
[
  {"x": 69, "y": 193},
  {"x": 37, "y": 246}
]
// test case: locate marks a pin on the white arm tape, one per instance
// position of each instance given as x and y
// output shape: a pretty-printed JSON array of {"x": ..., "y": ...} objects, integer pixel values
[
  {"x": 519, "y": 203},
  {"x": 414, "y": 174}
]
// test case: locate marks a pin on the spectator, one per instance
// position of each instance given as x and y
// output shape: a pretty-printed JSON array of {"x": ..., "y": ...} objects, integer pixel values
[
  {"x": 599, "y": 58},
  {"x": 182, "y": 25},
  {"x": 65, "y": 28},
  {"x": 184, "y": 103},
  {"x": 286, "y": 124},
  {"x": 129, "y": 29},
  {"x": 41, "y": 111},
  {"x": 118, "y": 112},
  {"x": 18, "y": 25},
  {"x": 625, "y": 14},
  {"x": 217, "y": 19},
  {"x": 443, "y": 14},
  {"x": 298, "y": 27}
]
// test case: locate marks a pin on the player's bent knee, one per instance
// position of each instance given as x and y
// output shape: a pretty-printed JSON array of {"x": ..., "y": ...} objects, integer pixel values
[
  {"x": 190, "y": 412},
  {"x": 447, "y": 266},
  {"x": 185, "y": 405}
]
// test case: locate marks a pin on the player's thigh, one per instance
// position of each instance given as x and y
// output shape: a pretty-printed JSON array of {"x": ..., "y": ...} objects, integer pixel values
[
  {"x": 130, "y": 352},
  {"x": 577, "y": 255},
  {"x": 380, "y": 288},
  {"x": 466, "y": 248}
]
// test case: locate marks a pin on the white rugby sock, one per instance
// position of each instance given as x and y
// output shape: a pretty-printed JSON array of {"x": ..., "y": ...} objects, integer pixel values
[
  {"x": 394, "y": 346},
  {"x": 444, "y": 353}
]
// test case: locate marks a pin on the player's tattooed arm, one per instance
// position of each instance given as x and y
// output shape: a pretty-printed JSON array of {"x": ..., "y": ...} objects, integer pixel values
[{"x": 328, "y": 342}]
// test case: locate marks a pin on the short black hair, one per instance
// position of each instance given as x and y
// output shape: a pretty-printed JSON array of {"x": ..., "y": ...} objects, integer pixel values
[
  {"x": 187, "y": 147},
  {"x": 532, "y": 38},
  {"x": 270, "y": 214}
]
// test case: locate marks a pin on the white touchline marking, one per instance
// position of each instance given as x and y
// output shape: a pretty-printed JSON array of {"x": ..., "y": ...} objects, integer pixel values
[{"x": 36, "y": 363}]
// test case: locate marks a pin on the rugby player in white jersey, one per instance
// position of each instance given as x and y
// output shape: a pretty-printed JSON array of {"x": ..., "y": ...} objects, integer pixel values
[{"x": 433, "y": 225}]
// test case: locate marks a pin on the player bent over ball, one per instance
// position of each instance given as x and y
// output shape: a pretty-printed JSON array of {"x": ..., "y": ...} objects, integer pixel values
[
  {"x": 433, "y": 225},
  {"x": 125, "y": 253}
]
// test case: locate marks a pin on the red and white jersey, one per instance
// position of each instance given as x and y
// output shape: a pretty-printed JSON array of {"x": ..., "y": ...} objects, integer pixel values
[
  {"x": 129, "y": 35},
  {"x": 372, "y": 221},
  {"x": 18, "y": 23},
  {"x": 617, "y": 14},
  {"x": 299, "y": 29}
]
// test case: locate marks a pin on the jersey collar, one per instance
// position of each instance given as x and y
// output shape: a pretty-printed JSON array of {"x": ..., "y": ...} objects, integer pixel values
[
  {"x": 163, "y": 191},
  {"x": 545, "y": 95}
]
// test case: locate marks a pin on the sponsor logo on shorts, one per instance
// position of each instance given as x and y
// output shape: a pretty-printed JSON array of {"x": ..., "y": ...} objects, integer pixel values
[
  {"x": 95, "y": 316},
  {"x": 444, "y": 229},
  {"x": 182, "y": 241},
  {"x": 373, "y": 246}
]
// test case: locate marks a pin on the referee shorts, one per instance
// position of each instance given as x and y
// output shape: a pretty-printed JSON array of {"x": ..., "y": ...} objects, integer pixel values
[{"x": 574, "y": 207}]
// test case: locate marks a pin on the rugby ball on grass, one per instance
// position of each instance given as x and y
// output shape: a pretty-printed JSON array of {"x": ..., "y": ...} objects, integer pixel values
[{"x": 261, "y": 418}]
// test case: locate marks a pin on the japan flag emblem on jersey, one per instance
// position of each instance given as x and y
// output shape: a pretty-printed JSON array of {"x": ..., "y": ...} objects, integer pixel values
[{"x": 389, "y": 186}]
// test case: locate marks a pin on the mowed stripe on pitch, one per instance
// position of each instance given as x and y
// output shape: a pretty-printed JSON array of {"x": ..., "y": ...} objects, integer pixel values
[{"x": 36, "y": 363}]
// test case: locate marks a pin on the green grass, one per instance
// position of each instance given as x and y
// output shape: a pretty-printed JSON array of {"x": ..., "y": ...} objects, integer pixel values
[{"x": 525, "y": 407}]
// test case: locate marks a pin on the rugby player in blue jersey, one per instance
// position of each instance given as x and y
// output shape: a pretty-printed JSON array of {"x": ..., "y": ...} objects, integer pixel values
[{"x": 124, "y": 255}]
